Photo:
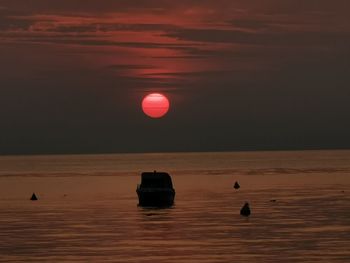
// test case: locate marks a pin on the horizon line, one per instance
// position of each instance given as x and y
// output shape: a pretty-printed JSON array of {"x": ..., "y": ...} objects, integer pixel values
[{"x": 172, "y": 152}]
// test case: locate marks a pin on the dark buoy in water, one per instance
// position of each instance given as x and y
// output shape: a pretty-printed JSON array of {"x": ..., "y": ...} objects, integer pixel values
[
  {"x": 33, "y": 198},
  {"x": 245, "y": 210},
  {"x": 236, "y": 185}
]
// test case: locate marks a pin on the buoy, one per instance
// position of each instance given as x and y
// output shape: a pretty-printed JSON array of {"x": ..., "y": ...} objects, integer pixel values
[
  {"x": 34, "y": 198},
  {"x": 245, "y": 210},
  {"x": 236, "y": 185}
]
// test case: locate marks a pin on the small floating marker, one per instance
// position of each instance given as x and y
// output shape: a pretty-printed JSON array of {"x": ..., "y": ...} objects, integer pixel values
[
  {"x": 245, "y": 210},
  {"x": 34, "y": 198},
  {"x": 236, "y": 185}
]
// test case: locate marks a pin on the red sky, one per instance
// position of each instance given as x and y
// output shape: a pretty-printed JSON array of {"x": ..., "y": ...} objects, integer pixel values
[{"x": 240, "y": 74}]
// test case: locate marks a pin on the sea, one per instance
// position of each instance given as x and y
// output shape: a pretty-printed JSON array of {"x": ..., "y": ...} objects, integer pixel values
[{"x": 87, "y": 208}]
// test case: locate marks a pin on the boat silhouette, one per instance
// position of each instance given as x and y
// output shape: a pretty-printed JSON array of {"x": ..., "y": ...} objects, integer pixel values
[{"x": 156, "y": 190}]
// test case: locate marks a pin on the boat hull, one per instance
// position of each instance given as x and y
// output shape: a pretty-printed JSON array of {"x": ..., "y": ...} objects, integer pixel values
[{"x": 156, "y": 197}]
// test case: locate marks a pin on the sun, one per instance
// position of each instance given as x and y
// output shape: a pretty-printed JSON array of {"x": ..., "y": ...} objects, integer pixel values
[{"x": 155, "y": 105}]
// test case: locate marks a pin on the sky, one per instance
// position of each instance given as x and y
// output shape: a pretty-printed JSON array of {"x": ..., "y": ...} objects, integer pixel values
[{"x": 239, "y": 75}]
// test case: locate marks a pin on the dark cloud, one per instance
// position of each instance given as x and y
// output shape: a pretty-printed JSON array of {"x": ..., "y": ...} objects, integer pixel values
[
  {"x": 296, "y": 39},
  {"x": 9, "y": 22},
  {"x": 14, "y": 24},
  {"x": 110, "y": 27},
  {"x": 128, "y": 67},
  {"x": 76, "y": 6},
  {"x": 87, "y": 40}
]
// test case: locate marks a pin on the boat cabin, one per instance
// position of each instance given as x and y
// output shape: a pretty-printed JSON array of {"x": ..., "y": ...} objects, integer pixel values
[{"x": 156, "y": 180}]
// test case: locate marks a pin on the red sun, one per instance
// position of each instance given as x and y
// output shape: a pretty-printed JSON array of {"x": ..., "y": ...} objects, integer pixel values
[{"x": 155, "y": 105}]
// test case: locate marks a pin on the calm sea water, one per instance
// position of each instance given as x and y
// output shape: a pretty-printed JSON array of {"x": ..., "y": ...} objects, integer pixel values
[{"x": 87, "y": 209}]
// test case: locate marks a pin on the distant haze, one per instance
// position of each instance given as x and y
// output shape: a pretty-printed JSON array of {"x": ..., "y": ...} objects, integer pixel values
[{"x": 240, "y": 75}]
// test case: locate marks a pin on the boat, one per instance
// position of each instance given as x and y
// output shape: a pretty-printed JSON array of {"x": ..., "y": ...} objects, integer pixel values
[{"x": 156, "y": 190}]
